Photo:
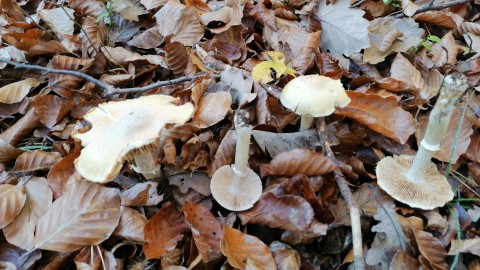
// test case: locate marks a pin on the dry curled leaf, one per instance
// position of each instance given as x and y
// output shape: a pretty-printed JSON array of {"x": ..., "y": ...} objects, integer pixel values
[
  {"x": 212, "y": 108},
  {"x": 285, "y": 256},
  {"x": 131, "y": 225},
  {"x": 15, "y": 92},
  {"x": 85, "y": 215},
  {"x": 432, "y": 249},
  {"x": 382, "y": 115},
  {"x": 51, "y": 109},
  {"x": 142, "y": 194},
  {"x": 298, "y": 161},
  {"x": 177, "y": 58},
  {"x": 36, "y": 160},
  {"x": 163, "y": 231},
  {"x": 465, "y": 246},
  {"x": 206, "y": 230},
  {"x": 12, "y": 200},
  {"x": 239, "y": 248}
]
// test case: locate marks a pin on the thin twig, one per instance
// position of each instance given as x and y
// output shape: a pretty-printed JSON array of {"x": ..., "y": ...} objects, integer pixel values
[
  {"x": 359, "y": 263},
  {"x": 447, "y": 4},
  {"x": 359, "y": 3},
  {"x": 108, "y": 89}
]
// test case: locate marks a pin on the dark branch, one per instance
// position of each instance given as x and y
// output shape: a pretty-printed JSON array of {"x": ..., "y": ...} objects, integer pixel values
[{"x": 430, "y": 6}]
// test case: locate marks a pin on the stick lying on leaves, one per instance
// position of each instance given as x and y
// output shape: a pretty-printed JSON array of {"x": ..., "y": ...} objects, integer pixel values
[
  {"x": 359, "y": 263},
  {"x": 108, "y": 90}
]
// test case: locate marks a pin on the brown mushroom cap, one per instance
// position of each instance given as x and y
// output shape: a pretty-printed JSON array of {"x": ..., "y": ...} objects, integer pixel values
[
  {"x": 120, "y": 127},
  {"x": 434, "y": 192},
  {"x": 314, "y": 95},
  {"x": 243, "y": 198}
]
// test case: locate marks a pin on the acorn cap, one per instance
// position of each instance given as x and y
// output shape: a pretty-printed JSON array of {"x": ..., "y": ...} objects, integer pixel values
[
  {"x": 314, "y": 95},
  {"x": 242, "y": 198},
  {"x": 434, "y": 192},
  {"x": 121, "y": 127}
]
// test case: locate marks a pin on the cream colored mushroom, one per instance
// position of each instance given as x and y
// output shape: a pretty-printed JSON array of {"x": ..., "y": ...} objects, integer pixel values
[
  {"x": 119, "y": 128},
  {"x": 313, "y": 96},
  {"x": 236, "y": 187},
  {"x": 415, "y": 180}
]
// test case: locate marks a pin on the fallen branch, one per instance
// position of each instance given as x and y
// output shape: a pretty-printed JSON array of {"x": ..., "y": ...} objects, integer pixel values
[
  {"x": 430, "y": 6},
  {"x": 107, "y": 89},
  {"x": 359, "y": 263}
]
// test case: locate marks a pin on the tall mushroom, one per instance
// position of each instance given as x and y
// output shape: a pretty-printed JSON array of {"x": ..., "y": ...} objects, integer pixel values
[
  {"x": 237, "y": 187},
  {"x": 126, "y": 129},
  {"x": 415, "y": 180},
  {"x": 313, "y": 96}
]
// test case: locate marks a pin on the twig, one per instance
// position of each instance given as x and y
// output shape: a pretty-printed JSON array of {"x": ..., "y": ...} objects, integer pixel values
[
  {"x": 359, "y": 3},
  {"x": 359, "y": 263},
  {"x": 108, "y": 89},
  {"x": 448, "y": 4}
]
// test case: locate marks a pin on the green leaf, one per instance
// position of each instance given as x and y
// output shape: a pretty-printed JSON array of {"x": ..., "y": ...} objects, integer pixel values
[
  {"x": 426, "y": 45},
  {"x": 433, "y": 38},
  {"x": 102, "y": 16}
]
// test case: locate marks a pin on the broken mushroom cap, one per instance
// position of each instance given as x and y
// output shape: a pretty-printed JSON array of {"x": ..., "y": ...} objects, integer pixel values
[
  {"x": 314, "y": 95},
  {"x": 427, "y": 195},
  {"x": 236, "y": 197},
  {"x": 121, "y": 127}
]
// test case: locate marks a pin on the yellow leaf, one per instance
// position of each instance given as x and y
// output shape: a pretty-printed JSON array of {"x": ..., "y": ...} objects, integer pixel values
[
  {"x": 277, "y": 57},
  {"x": 268, "y": 71}
]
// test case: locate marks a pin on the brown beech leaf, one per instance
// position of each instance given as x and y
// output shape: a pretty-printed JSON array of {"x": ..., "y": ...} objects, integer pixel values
[
  {"x": 59, "y": 20},
  {"x": 389, "y": 239},
  {"x": 225, "y": 152},
  {"x": 382, "y": 115},
  {"x": 276, "y": 143},
  {"x": 117, "y": 80},
  {"x": 20, "y": 231},
  {"x": 149, "y": 39},
  {"x": 36, "y": 160},
  {"x": 315, "y": 230},
  {"x": 180, "y": 21},
  {"x": 128, "y": 9},
  {"x": 197, "y": 181},
  {"x": 432, "y": 249},
  {"x": 473, "y": 150},
  {"x": 443, "y": 52},
  {"x": 51, "y": 109},
  {"x": 88, "y": 259},
  {"x": 8, "y": 152},
  {"x": 241, "y": 86},
  {"x": 12, "y": 200},
  {"x": 465, "y": 246},
  {"x": 206, "y": 230},
  {"x": 131, "y": 225},
  {"x": 142, "y": 194},
  {"x": 286, "y": 212},
  {"x": 61, "y": 172},
  {"x": 212, "y": 108},
  {"x": 441, "y": 18},
  {"x": 15, "y": 92},
  {"x": 227, "y": 16},
  {"x": 153, "y": 4},
  {"x": 85, "y": 215},
  {"x": 344, "y": 30},
  {"x": 15, "y": 133},
  {"x": 298, "y": 161},
  {"x": 381, "y": 27},
  {"x": 435, "y": 221},
  {"x": 93, "y": 36},
  {"x": 448, "y": 140},
  {"x": 177, "y": 58},
  {"x": 402, "y": 261},
  {"x": 66, "y": 85},
  {"x": 163, "y": 231},
  {"x": 240, "y": 247},
  {"x": 369, "y": 198},
  {"x": 286, "y": 257}
]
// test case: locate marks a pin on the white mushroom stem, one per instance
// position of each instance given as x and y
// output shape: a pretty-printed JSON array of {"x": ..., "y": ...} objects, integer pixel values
[
  {"x": 241, "y": 154},
  {"x": 306, "y": 122},
  {"x": 453, "y": 88}
]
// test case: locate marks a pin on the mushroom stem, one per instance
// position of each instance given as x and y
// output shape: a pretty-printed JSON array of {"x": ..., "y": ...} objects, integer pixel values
[
  {"x": 453, "y": 88},
  {"x": 241, "y": 151},
  {"x": 306, "y": 122}
]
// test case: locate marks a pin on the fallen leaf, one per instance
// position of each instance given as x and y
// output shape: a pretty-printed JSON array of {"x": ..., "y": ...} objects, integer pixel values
[
  {"x": 66, "y": 85},
  {"x": 15, "y": 92},
  {"x": 402, "y": 261},
  {"x": 206, "y": 230},
  {"x": 384, "y": 117},
  {"x": 153, "y": 4},
  {"x": 344, "y": 30},
  {"x": 218, "y": 21},
  {"x": 12, "y": 200},
  {"x": 60, "y": 20},
  {"x": 286, "y": 257},
  {"x": 473, "y": 150},
  {"x": 20, "y": 232},
  {"x": 432, "y": 249},
  {"x": 131, "y": 225},
  {"x": 60, "y": 173},
  {"x": 439, "y": 17},
  {"x": 197, "y": 181},
  {"x": 241, "y": 86},
  {"x": 149, "y": 39},
  {"x": 212, "y": 108},
  {"x": 239, "y": 247},
  {"x": 435, "y": 221},
  {"x": 298, "y": 161},
  {"x": 276, "y": 143},
  {"x": 163, "y": 231},
  {"x": 51, "y": 109},
  {"x": 36, "y": 160},
  {"x": 177, "y": 58},
  {"x": 85, "y": 215},
  {"x": 93, "y": 36},
  {"x": 128, "y": 9},
  {"x": 225, "y": 153},
  {"x": 141, "y": 194},
  {"x": 89, "y": 258}
]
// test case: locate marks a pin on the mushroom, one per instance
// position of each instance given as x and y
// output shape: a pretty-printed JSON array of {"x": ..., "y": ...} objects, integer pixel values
[
  {"x": 237, "y": 187},
  {"x": 415, "y": 180},
  {"x": 313, "y": 96},
  {"x": 124, "y": 129}
]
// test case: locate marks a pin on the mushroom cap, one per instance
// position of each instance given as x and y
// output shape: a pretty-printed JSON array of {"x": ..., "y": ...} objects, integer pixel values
[
  {"x": 243, "y": 197},
  {"x": 123, "y": 126},
  {"x": 434, "y": 192},
  {"x": 314, "y": 95}
]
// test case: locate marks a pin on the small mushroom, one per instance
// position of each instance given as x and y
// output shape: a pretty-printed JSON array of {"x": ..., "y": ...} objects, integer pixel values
[
  {"x": 415, "y": 180},
  {"x": 125, "y": 129},
  {"x": 313, "y": 96},
  {"x": 237, "y": 187}
]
